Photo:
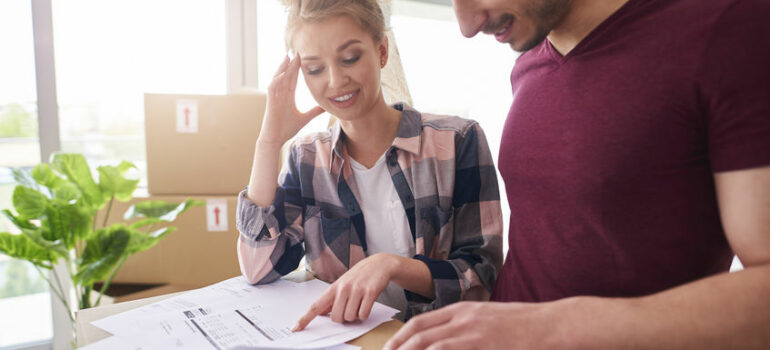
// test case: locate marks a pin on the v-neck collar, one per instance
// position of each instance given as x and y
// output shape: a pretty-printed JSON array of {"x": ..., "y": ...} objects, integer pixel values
[{"x": 591, "y": 37}]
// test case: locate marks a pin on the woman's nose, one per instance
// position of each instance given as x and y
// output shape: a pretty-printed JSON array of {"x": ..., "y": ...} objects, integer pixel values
[{"x": 337, "y": 78}]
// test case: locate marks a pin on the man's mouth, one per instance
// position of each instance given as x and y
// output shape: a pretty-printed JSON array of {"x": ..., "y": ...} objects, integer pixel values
[{"x": 501, "y": 28}]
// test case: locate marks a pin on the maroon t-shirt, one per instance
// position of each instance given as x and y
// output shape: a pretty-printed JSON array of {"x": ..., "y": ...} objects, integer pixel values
[{"x": 608, "y": 153}]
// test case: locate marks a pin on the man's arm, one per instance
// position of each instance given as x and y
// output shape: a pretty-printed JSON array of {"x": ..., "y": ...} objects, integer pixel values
[{"x": 726, "y": 311}]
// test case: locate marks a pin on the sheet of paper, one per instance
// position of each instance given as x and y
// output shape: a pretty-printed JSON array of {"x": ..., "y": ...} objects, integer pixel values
[
  {"x": 234, "y": 313},
  {"x": 111, "y": 343},
  {"x": 115, "y": 343}
]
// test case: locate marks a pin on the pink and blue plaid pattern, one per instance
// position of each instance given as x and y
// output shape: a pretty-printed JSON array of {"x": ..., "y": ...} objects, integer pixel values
[{"x": 445, "y": 177}]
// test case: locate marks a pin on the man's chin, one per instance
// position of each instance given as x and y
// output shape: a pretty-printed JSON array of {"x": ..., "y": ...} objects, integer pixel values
[{"x": 526, "y": 45}]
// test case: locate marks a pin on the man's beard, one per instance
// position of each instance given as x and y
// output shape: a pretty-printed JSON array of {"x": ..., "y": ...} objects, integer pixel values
[{"x": 546, "y": 14}]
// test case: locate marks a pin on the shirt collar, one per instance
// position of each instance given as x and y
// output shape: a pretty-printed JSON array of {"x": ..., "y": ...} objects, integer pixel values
[{"x": 408, "y": 137}]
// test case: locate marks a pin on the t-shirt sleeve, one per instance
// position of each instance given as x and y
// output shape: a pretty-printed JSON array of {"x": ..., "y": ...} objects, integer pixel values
[{"x": 735, "y": 82}]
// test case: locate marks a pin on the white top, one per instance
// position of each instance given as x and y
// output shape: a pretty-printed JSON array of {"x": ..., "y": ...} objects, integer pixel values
[{"x": 387, "y": 228}]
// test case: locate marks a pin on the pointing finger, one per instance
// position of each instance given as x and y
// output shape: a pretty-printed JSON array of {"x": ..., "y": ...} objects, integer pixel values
[{"x": 319, "y": 307}]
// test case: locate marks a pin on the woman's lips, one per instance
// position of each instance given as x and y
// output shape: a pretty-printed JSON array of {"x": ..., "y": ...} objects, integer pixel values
[{"x": 344, "y": 100}]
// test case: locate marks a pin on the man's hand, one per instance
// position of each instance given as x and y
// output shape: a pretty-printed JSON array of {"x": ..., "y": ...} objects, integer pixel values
[
  {"x": 481, "y": 325},
  {"x": 352, "y": 296}
]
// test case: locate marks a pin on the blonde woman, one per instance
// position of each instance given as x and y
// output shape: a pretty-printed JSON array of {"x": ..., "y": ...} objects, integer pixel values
[{"x": 389, "y": 204}]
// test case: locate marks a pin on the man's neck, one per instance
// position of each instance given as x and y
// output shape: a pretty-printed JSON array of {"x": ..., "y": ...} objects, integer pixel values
[{"x": 583, "y": 17}]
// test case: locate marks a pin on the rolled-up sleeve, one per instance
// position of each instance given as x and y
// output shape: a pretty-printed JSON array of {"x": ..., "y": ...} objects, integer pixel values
[{"x": 270, "y": 243}]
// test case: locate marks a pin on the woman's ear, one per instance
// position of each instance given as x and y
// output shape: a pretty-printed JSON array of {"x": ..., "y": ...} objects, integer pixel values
[{"x": 383, "y": 48}]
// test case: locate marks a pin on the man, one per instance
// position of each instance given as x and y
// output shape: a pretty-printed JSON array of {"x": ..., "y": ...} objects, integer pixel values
[{"x": 635, "y": 158}]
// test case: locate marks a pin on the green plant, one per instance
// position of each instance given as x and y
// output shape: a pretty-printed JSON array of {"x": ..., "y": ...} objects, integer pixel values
[{"x": 56, "y": 210}]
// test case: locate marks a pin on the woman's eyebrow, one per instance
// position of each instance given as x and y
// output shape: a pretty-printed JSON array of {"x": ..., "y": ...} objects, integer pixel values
[
  {"x": 348, "y": 43},
  {"x": 342, "y": 47}
]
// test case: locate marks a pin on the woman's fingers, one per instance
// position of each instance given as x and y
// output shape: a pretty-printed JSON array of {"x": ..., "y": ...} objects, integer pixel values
[
  {"x": 340, "y": 301},
  {"x": 313, "y": 112},
  {"x": 321, "y": 306},
  {"x": 366, "y": 306},
  {"x": 282, "y": 67},
  {"x": 293, "y": 72},
  {"x": 353, "y": 305}
]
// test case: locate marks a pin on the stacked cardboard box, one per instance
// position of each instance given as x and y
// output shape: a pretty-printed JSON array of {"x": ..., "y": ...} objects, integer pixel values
[{"x": 198, "y": 147}]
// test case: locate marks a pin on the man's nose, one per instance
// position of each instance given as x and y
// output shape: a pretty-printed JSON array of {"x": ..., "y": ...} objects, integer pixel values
[{"x": 470, "y": 18}]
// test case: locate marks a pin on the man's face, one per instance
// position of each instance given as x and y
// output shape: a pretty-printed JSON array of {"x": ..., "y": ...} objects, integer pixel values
[{"x": 521, "y": 23}]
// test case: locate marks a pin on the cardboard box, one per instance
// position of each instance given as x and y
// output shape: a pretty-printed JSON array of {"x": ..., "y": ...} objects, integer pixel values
[
  {"x": 201, "y": 144},
  {"x": 200, "y": 252}
]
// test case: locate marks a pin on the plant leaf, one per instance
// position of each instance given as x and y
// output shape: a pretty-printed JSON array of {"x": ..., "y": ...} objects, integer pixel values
[
  {"x": 159, "y": 209},
  {"x": 141, "y": 241},
  {"x": 146, "y": 222},
  {"x": 29, "y": 203},
  {"x": 68, "y": 222},
  {"x": 75, "y": 168},
  {"x": 22, "y": 247},
  {"x": 67, "y": 192},
  {"x": 103, "y": 251},
  {"x": 56, "y": 247},
  {"x": 16, "y": 221},
  {"x": 23, "y": 178},
  {"x": 44, "y": 175},
  {"x": 113, "y": 183}
]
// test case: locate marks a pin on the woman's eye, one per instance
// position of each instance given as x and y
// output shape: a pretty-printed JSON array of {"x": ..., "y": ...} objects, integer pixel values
[
  {"x": 351, "y": 60},
  {"x": 313, "y": 71}
]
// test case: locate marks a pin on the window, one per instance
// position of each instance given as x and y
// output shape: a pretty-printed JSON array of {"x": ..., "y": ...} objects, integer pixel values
[
  {"x": 24, "y": 296},
  {"x": 110, "y": 52}
]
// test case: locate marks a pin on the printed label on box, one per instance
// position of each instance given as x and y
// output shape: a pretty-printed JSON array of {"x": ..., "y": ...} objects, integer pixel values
[
  {"x": 187, "y": 116},
  {"x": 216, "y": 215}
]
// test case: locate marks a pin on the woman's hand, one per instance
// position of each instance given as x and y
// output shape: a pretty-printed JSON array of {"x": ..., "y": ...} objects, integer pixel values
[
  {"x": 282, "y": 119},
  {"x": 352, "y": 296}
]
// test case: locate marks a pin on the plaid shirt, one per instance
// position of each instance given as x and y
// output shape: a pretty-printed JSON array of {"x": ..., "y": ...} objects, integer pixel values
[{"x": 444, "y": 175}]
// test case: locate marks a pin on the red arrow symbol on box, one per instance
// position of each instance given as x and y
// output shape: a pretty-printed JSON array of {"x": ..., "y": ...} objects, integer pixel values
[
  {"x": 187, "y": 117},
  {"x": 216, "y": 216}
]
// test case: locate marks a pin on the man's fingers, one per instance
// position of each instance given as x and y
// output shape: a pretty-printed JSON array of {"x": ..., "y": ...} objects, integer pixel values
[
  {"x": 419, "y": 324},
  {"x": 319, "y": 307},
  {"x": 458, "y": 343},
  {"x": 444, "y": 333}
]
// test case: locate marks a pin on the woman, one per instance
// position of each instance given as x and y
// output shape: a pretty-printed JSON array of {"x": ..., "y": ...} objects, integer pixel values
[{"x": 389, "y": 204}]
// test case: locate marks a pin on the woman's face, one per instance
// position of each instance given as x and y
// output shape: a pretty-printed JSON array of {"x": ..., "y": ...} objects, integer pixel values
[{"x": 341, "y": 65}]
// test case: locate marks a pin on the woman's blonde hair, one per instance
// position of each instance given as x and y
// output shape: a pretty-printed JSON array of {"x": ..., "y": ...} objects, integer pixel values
[{"x": 367, "y": 13}]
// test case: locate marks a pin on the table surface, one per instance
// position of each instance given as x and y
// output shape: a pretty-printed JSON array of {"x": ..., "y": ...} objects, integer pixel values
[{"x": 88, "y": 333}]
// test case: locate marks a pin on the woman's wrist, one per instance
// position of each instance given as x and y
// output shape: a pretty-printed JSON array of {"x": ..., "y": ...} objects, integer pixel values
[
  {"x": 391, "y": 264},
  {"x": 267, "y": 142}
]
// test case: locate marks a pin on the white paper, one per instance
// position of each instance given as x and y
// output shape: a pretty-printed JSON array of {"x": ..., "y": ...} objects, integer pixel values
[
  {"x": 115, "y": 343},
  {"x": 234, "y": 313},
  {"x": 216, "y": 215},
  {"x": 111, "y": 343}
]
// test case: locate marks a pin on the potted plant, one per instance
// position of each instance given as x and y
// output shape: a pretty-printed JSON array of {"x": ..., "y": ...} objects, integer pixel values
[{"x": 56, "y": 210}]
